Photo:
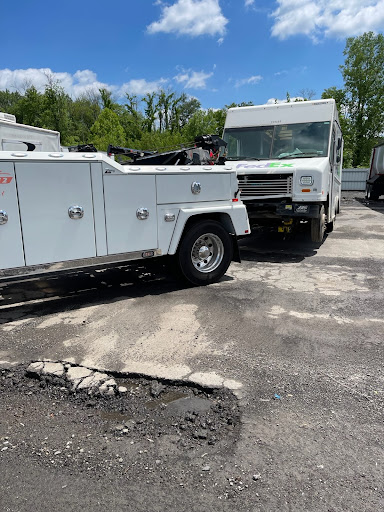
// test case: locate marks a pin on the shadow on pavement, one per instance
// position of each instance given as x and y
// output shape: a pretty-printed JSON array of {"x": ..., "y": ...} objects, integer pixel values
[
  {"x": 92, "y": 286},
  {"x": 376, "y": 206},
  {"x": 277, "y": 248},
  {"x": 85, "y": 287}
]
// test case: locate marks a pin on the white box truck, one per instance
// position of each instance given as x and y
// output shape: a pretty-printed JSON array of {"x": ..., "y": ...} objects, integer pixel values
[
  {"x": 62, "y": 211},
  {"x": 289, "y": 162}
]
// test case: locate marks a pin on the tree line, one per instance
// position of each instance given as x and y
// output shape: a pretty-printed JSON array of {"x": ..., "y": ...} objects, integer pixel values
[
  {"x": 361, "y": 100},
  {"x": 165, "y": 119},
  {"x": 156, "y": 120}
]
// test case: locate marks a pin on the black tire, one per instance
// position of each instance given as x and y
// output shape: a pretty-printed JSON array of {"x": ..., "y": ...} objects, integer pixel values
[
  {"x": 196, "y": 265},
  {"x": 371, "y": 195},
  {"x": 318, "y": 227},
  {"x": 331, "y": 225}
]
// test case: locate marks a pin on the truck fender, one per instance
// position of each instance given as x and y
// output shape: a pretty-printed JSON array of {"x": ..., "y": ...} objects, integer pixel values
[{"x": 189, "y": 216}]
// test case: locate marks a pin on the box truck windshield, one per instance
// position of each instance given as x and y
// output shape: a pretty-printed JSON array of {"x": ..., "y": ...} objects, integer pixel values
[{"x": 280, "y": 141}]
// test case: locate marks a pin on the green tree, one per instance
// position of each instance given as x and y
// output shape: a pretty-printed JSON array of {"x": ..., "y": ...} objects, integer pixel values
[
  {"x": 55, "y": 109},
  {"x": 107, "y": 101},
  {"x": 150, "y": 110},
  {"x": 131, "y": 119},
  {"x": 187, "y": 108},
  {"x": 159, "y": 141},
  {"x": 9, "y": 101},
  {"x": 107, "y": 130},
  {"x": 30, "y": 107},
  {"x": 205, "y": 122},
  {"x": 363, "y": 73},
  {"x": 83, "y": 113},
  {"x": 361, "y": 100}
]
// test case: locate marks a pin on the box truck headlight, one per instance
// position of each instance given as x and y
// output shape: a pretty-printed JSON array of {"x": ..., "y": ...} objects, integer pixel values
[{"x": 306, "y": 180}]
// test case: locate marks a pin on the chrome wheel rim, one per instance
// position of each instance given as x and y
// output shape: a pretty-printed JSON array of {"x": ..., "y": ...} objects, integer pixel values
[{"x": 207, "y": 253}]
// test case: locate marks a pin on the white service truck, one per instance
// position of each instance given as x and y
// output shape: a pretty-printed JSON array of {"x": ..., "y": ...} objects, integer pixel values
[
  {"x": 289, "y": 162},
  {"x": 68, "y": 210}
]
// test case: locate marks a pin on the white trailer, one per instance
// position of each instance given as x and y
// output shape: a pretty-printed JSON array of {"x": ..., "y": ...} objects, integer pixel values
[
  {"x": 67, "y": 210},
  {"x": 21, "y": 137},
  {"x": 289, "y": 162}
]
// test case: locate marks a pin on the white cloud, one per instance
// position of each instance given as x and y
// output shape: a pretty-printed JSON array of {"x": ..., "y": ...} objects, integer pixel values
[
  {"x": 85, "y": 80},
  {"x": 193, "y": 79},
  {"x": 141, "y": 86},
  {"x": 330, "y": 18},
  {"x": 81, "y": 82},
  {"x": 249, "y": 3},
  {"x": 248, "y": 81},
  {"x": 191, "y": 17},
  {"x": 280, "y": 73}
]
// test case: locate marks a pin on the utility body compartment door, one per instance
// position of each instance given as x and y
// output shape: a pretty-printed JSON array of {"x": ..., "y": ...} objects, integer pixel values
[
  {"x": 11, "y": 243},
  {"x": 129, "y": 230},
  {"x": 51, "y": 195},
  {"x": 192, "y": 188}
]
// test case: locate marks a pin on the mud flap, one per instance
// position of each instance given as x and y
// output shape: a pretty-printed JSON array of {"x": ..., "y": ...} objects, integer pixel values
[{"x": 236, "y": 250}]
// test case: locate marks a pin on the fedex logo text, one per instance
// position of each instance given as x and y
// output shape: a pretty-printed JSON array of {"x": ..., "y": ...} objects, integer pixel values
[{"x": 272, "y": 165}]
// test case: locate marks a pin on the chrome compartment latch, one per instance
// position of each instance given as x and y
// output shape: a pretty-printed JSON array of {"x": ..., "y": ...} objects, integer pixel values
[{"x": 76, "y": 212}]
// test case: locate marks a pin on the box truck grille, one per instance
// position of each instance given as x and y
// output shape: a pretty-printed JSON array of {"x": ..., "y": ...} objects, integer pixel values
[{"x": 259, "y": 185}]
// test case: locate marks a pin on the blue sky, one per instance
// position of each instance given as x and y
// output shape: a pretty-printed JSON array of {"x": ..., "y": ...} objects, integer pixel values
[{"x": 219, "y": 51}]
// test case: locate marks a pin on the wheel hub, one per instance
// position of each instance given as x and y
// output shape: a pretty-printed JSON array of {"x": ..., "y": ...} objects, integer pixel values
[
  {"x": 204, "y": 252},
  {"x": 207, "y": 253}
]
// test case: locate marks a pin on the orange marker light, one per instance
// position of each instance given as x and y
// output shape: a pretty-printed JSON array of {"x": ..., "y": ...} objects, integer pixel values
[
  {"x": 235, "y": 200},
  {"x": 305, "y": 189}
]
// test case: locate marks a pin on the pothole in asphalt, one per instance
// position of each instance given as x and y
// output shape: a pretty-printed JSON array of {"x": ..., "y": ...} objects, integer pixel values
[{"x": 59, "y": 420}]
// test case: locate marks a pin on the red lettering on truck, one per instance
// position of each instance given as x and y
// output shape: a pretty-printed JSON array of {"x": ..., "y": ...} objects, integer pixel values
[{"x": 5, "y": 178}]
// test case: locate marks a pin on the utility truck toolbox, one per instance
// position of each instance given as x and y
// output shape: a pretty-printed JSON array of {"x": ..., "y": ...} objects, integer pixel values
[
  {"x": 288, "y": 159},
  {"x": 67, "y": 210}
]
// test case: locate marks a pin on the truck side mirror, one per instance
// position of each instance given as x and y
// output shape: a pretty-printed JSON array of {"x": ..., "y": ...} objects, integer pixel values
[
  {"x": 338, "y": 159},
  {"x": 338, "y": 144}
]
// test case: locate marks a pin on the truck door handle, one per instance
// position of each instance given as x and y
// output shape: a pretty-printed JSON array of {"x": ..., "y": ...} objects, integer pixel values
[
  {"x": 76, "y": 212},
  {"x": 3, "y": 217}
]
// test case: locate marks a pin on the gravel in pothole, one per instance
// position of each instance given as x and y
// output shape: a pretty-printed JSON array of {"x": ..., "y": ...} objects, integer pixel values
[{"x": 144, "y": 426}]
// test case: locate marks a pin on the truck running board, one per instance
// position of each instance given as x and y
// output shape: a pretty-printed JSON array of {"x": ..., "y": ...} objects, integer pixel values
[{"x": 36, "y": 271}]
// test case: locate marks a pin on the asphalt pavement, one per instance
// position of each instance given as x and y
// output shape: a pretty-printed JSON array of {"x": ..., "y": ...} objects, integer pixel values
[{"x": 295, "y": 331}]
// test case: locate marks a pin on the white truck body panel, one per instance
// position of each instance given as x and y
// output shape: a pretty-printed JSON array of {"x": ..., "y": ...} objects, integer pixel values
[
  {"x": 46, "y": 191},
  {"x": 123, "y": 195},
  {"x": 213, "y": 187},
  {"x": 13, "y": 137},
  {"x": 40, "y": 190},
  {"x": 282, "y": 113},
  {"x": 11, "y": 244}
]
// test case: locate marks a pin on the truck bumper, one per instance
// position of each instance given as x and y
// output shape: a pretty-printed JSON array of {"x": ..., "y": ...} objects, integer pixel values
[{"x": 282, "y": 210}]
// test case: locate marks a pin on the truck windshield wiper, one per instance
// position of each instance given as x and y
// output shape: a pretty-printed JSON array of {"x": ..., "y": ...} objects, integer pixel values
[
  {"x": 235, "y": 158},
  {"x": 309, "y": 154}
]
